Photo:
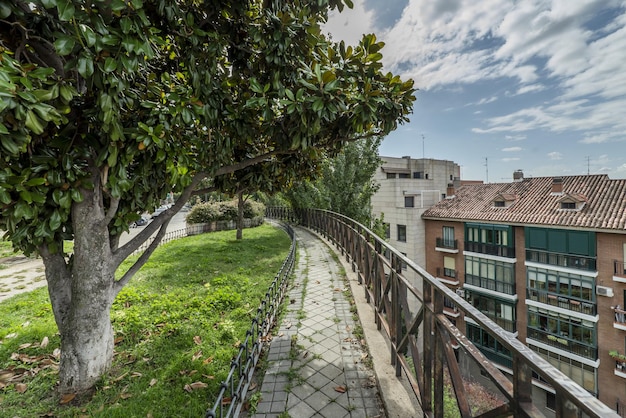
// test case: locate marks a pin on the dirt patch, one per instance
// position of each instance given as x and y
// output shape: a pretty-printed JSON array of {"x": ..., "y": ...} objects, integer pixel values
[{"x": 20, "y": 274}]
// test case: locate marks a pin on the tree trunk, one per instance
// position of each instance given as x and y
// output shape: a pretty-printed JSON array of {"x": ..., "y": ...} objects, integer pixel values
[
  {"x": 240, "y": 203},
  {"x": 82, "y": 292}
]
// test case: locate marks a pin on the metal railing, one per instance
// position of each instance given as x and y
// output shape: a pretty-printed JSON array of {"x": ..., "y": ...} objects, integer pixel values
[
  {"x": 234, "y": 389},
  {"x": 409, "y": 306}
]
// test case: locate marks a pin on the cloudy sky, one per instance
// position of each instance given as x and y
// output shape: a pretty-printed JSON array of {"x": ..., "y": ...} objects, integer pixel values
[{"x": 504, "y": 84}]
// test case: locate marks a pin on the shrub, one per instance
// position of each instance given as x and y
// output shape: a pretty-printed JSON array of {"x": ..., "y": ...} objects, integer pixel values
[{"x": 223, "y": 211}]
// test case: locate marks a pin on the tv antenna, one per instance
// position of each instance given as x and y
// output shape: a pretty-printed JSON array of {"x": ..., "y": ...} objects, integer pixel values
[{"x": 487, "y": 169}]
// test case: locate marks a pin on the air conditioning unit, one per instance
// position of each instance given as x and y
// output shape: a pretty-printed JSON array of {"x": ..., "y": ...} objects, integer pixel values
[
  {"x": 604, "y": 291},
  {"x": 460, "y": 292}
]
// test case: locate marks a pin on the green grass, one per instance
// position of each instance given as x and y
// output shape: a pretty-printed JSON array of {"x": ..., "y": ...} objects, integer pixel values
[
  {"x": 6, "y": 249},
  {"x": 178, "y": 322}
]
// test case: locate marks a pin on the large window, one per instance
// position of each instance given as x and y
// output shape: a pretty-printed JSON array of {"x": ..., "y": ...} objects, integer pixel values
[
  {"x": 448, "y": 237},
  {"x": 490, "y": 239},
  {"x": 583, "y": 374},
  {"x": 565, "y": 332},
  {"x": 489, "y": 346},
  {"x": 409, "y": 201},
  {"x": 566, "y": 290},
  {"x": 500, "y": 311},
  {"x": 561, "y": 247},
  {"x": 402, "y": 233},
  {"x": 490, "y": 274}
]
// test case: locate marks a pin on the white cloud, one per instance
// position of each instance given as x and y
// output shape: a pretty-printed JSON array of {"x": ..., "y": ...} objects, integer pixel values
[
  {"x": 555, "y": 155},
  {"x": 512, "y": 149},
  {"x": 351, "y": 24},
  {"x": 515, "y": 138},
  {"x": 508, "y": 160}
]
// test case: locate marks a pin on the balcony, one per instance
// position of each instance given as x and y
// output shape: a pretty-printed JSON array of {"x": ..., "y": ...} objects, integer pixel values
[
  {"x": 563, "y": 342},
  {"x": 491, "y": 249},
  {"x": 562, "y": 260},
  {"x": 620, "y": 318},
  {"x": 584, "y": 307},
  {"x": 447, "y": 245}
]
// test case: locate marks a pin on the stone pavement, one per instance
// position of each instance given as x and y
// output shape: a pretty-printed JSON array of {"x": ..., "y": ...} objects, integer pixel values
[{"x": 316, "y": 365}]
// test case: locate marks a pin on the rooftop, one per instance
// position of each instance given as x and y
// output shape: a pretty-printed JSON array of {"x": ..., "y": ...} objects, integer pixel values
[{"x": 589, "y": 201}]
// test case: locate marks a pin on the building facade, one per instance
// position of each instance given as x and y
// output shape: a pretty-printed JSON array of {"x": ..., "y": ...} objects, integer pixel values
[
  {"x": 544, "y": 258},
  {"x": 407, "y": 188}
]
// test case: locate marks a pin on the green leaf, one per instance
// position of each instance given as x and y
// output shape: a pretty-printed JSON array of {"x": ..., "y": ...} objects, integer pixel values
[
  {"x": 3, "y": 129},
  {"x": 85, "y": 67},
  {"x": 55, "y": 220},
  {"x": 38, "y": 181},
  {"x": 110, "y": 65},
  {"x": 48, "y": 4},
  {"x": 5, "y": 197},
  {"x": 67, "y": 93},
  {"x": 64, "y": 45},
  {"x": 66, "y": 9},
  {"x": 33, "y": 123},
  {"x": 76, "y": 195},
  {"x": 88, "y": 34},
  {"x": 5, "y": 10}
]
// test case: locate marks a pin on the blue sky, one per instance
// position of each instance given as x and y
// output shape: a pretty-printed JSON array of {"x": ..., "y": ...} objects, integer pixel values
[{"x": 503, "y": 85}]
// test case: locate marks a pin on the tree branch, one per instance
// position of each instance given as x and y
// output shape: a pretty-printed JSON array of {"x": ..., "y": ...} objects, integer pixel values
[
  {"x": 113, "y": 205},
  {"x": 119, "y": 284}
]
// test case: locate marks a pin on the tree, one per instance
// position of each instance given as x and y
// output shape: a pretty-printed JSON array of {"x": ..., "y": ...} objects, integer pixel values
[
  {"x": 107, "y": 106},
  {"x": 345, "y": 184}
]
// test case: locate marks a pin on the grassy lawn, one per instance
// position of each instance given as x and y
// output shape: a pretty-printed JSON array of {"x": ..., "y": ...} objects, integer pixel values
[{"x": 178, "y": 324}]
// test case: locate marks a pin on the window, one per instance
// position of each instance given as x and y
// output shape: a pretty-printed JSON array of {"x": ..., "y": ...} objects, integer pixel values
[
  {"x": 448, "y": 237},
  {"x": 498, "y": 203},
  {"x": 403, "y": 175},
  {"x": 387, "y": 230},
  {"x": 391, "y": 175},
  {"x": 418, "y": 174},
  {"x": 409, "y": 201},
  {"x": 449, "y": 267},
  {"x": 568, "y": 205},
  {"x": 490, "y": 239},
  {"x": 402, "y": 233},
  {"x": 551, "y": 401},
  {"x": 490, "y": 274}
]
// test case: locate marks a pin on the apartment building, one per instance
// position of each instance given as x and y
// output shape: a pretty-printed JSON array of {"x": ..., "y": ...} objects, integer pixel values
[
  {"x": 407, "y": 188},
  {"x": 545, "y": 259}
]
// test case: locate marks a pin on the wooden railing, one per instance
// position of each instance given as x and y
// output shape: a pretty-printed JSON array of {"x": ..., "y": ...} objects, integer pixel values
[{"x": 409, "y": 304}]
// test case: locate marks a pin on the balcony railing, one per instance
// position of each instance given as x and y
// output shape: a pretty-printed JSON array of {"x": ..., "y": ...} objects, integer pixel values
[
  {"x": 451, "y": 244},
  {"x": 410, "y": 313},
  {"x": 491, "y": 249},
  {"x": 563, "y": 342},
  {"x": 562, "y": 260},
  {"x": 619, "y": 268},
  {"x": 576, "y": 305}
]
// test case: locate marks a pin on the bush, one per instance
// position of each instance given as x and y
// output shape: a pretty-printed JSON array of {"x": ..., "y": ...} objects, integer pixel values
[{"x": 223, "y": 211}]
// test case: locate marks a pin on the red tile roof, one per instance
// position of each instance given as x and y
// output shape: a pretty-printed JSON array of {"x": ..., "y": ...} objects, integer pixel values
[{"x": 535, "y": 203}]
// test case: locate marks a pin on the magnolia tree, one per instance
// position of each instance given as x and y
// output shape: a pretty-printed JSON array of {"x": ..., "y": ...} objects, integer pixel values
[{"x": 108, "y": 105}]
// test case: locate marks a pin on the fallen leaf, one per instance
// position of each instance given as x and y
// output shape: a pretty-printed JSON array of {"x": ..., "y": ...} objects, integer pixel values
[
  {"x": 120, "y": 377},
  {"x": 340, "y": 389},
  {"x": 197, "y": 340},
  {"x": 126, "y": 395},
  {"x": 198, "y": 385},
  {"x": 44, "y": 342},
  {"x": 253, "y": 386},
  {"x": 206, "y": 376},
  {"x": 136, "y": 374},
  {"x": 196, "y": 355},
  {"x": 188, "y": 388},
  {"x": 11, "y": 335},
  {"x": 67, "y": 398},
  {"x": 226, "y": 401},
  {"x": 337, "y": 289},
  {"x": 289, "y": 325},
  {"x": 23, "y": 346},
  {"x": 153, "y": 382},
  {"x": 281, "y": 334},
  {"x": 208, "y": 360},
  {"x": 56, "y": 353},
  {"x": 118, "y": 340},
  {"x": 20, "y": 387}
]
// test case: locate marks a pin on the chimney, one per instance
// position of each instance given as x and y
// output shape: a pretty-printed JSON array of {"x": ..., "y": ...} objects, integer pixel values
[
  {"x": 450, "y": 190},
  {"x": 557, "y": 185},
  {"x": 518, "y": 175}
]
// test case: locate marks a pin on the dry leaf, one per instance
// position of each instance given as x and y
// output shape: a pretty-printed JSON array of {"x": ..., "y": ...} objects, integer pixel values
[
  {"x": 56, "y": 353},
  {"x": 208, "y": 360},
  {"x": 153, "y": 382},
  {"x": 340, "y": 389},
  {"x": 188, "y": 388},
  {"x": 126, "y": 395},
  {"x": 23, "y": 346},
  {"x": 253, "y": 386},
  {"x": 118, "y": 340},
  {"x": 197, "y": 340},
  {"x": 208, "y": 376},
  {"x": 120, "y": 377},
  {"x": 136, "y": 374},
  {"x": 226, "y": 401},
  {"x": 11, "y": 335},
  {"x": 198, "y": 385},
  {"x": 44, "y": 342},
  {"x": 289, "y": 325},
  {"x": 67, "y": 398},
  {"x": 20, "y": 387},
  {"x": 281, "y": 334},
  {"x": 196, "y": 355}
]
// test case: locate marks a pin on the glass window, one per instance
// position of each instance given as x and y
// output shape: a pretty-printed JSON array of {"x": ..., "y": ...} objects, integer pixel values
[
  {"x": 402, "y": 233},
  {"x": 391, "y": 175},
  {"x": 448, "y": 236},
  {"x": 409, "y": 201}
]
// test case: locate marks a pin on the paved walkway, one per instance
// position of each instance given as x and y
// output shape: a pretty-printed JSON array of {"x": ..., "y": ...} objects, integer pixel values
[{"x": 316, "y": 364}]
